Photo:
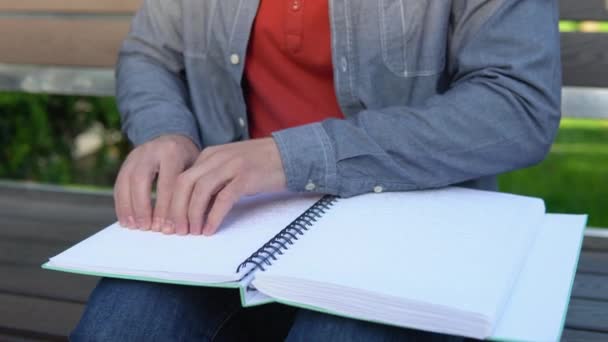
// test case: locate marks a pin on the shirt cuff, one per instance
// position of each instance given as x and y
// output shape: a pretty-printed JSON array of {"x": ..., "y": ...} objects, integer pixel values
[
  {"x": 308, "y": 159},
  {"x": 146, "y": 126}
]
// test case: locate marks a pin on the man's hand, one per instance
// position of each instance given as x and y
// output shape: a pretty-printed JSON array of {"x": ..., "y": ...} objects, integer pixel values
[
  {"x": 206, "y": 192},
  {"x": 165, "y": 157}
]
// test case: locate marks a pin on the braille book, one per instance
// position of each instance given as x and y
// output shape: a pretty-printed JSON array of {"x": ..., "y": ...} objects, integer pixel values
[{"x": 457, "y": 261}]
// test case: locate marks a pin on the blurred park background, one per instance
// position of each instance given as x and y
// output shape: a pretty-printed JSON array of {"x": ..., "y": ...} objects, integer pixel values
[{"x": 76, "y": 141}]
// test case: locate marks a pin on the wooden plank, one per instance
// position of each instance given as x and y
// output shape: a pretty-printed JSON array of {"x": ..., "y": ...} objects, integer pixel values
[
  {"x": 585, "y": 59},
  {"x": 599, "y": 244},
  {"x": 28, "y": 253},
  {"x": 26, "y": 229},
  {"x": 56, "y": 208},
  {"x": 584, "y": 102},
  {"x": 590, "y": 286},
  {"x": 85, "y": 42},
  {"x": 587, "y": 315},
  {"x": 33, "y": 281},
  {"x": 79, "y": 6},
  {"x": 593, "y": 262},
  {"x": 26, "y": 336},
  {"x": 571, "y": 335},
  {"x": 583, "y": 10},
  {"x": 60, "y": 80},
  {"x": 36, "y": 315},
  {"x": 52, "y": 193}
]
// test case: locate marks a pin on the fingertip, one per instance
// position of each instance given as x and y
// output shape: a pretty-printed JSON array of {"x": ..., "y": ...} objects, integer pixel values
[
  {"x": 142, "y": 224},
  {"x": 181, "y": 228},
  {"x": 131, "y": 223},
  {"x": 196, "y": 229},
  {"x": 157, "y": 224},
  {"x": 209, "y": 230},
  {"x": 168, "y": 227}
]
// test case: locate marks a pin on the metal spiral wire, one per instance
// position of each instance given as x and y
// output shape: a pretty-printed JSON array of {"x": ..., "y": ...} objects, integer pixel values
[{"x": 264, "y": 256}]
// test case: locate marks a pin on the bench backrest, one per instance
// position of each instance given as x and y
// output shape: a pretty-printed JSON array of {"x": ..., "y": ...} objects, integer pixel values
[
  {"x": 585, "y": 53},
  {"x": 584, "y": 41},
  {"x": 62, "y": 46},
  {"x": 84, "y": 33},
  {"x": 70, "y": 47}
]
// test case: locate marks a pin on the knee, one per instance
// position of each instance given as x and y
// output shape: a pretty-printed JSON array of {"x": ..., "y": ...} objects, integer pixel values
[
  {"x": 116, "y": 310},
  {"x": 124, "y": 310}
]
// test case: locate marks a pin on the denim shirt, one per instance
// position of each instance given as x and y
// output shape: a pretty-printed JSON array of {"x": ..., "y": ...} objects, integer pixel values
[{"x": 434, "y": 92}]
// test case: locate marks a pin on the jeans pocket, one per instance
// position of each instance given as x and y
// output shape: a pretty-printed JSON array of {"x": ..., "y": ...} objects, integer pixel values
[{"x": 414, "y": 36}]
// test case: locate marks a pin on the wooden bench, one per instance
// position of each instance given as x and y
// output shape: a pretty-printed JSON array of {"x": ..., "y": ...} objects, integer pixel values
[{"x": 69, "y": 47}]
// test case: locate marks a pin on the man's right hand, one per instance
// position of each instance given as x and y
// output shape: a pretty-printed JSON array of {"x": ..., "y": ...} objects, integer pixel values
[{"x": 166, "y": 157}]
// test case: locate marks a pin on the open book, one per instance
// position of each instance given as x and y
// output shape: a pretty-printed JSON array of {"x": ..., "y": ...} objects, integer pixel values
[{"x": 457, "y": 261}]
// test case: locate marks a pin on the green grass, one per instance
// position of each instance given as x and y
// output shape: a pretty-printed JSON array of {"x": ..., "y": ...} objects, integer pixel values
[{"x": 574, "y": 177}]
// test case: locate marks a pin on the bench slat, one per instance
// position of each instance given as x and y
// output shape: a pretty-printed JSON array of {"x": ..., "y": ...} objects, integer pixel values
[
  {"x": 32, "y": 281},
  {"x": 583, "y": 9},
  {"x": 28, "y": 252},
  {"x": 25, "y": 229},
  {"x": 43, "y": 316},
  {"x": 599, "y": 244},
  {"x": 80, "y": 6},
  {"x": 586, "y": 314},
  {"x": 593, "y": 262},
  {"x": 84, "y": 42},
  {"x": 571, "y": 335},
  {"x": 585, "y": 59},
  {"x": 590, "y": 286}
]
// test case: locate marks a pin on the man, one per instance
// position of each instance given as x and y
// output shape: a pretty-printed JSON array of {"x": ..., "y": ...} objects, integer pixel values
[{"x": 230, "y": 98}]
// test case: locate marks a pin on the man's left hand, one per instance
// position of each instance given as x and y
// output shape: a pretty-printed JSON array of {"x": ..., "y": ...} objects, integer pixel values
[{"x": 221, "y": 175}]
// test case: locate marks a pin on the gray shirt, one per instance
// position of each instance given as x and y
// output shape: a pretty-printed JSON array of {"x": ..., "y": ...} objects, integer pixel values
[{"x": 434, "y": 92}]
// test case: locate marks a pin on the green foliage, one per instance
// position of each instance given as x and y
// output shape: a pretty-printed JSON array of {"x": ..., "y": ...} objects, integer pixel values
[
  {"x": 38, "y": 134},
  {"x": 574, "y": 177}
]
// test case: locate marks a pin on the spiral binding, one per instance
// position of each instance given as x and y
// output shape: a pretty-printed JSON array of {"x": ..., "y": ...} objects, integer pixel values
[{"x": 281, "y": 242}]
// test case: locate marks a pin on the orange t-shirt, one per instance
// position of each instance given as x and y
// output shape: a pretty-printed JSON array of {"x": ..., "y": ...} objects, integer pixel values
[{"x": 288, "y": 70}]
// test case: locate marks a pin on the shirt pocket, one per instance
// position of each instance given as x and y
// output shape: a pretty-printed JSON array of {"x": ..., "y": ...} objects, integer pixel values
[{"x": 413, "y": 36}]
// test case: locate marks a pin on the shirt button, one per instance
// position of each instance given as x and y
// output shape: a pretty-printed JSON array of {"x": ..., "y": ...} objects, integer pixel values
[
  {"x": 343, "y": 64},
  {"x": 242, "y": 122},
  {"x": 310, "y": 186},
  {"x": 235, "y": 59},
  {"x": 378, "y": 189},
  {"x": 295, "y": 5}
]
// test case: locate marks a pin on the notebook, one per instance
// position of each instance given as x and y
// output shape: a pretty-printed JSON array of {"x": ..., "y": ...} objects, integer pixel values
[{"x": 458, "y": 261}]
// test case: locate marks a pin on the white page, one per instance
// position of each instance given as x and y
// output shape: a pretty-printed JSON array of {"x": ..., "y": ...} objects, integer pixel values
[
  {"x": 537, "y": 308},
  {"x": 454, "y": 247},
  {"x": 251, "y": 223}
]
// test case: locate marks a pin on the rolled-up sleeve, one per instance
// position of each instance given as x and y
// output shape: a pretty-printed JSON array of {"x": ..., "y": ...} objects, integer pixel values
[
  {"x": 500, "y": 113},
  {"x": 151, "y": 89}
]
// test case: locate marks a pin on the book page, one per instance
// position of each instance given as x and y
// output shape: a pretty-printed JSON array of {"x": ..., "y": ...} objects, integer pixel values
[
  {"x": 537, "y": 308},
  {"x": 451, "y": 248},
  {"x": 251, "y": 223}
]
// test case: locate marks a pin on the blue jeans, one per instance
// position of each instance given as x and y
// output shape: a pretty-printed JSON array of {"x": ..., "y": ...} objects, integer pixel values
[{"x": 124, "y": 310}]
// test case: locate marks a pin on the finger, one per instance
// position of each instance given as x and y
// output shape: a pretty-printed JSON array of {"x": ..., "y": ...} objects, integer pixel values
[
  {"x": 180, "y": 200},
  {"x": 122, "y": 197},
  {"x": 177, "y": 219},
  {"x": 167, "y": 176},
  {"x": 224, "y": 201},
  {"x": 141, "y": 188},
  {"x": 206, "y": 187}
]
